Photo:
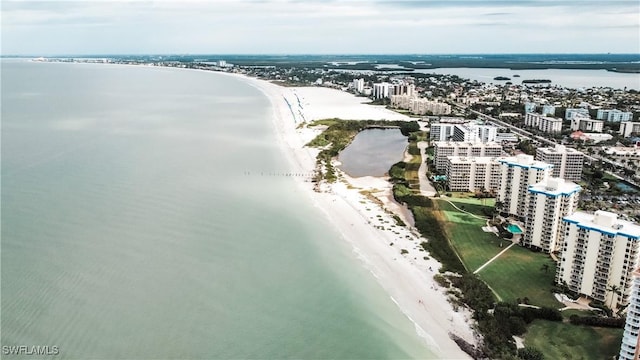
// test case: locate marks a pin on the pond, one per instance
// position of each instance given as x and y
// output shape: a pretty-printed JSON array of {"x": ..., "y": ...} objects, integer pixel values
[{"x": 372, "y": 152}]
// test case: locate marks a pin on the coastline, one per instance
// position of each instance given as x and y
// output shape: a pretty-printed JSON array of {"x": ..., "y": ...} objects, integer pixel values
[{"x": 363, "y": 222}]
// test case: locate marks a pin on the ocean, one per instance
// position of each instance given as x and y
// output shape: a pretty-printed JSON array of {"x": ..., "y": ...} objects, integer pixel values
[{"x": 142, "y": 218}]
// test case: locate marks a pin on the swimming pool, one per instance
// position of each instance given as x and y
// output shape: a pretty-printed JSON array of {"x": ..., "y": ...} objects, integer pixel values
[{"x": 514, "y": 229}]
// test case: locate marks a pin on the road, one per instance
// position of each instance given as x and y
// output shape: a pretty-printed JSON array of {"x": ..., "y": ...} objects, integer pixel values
[{"x": 591, "y": 159}]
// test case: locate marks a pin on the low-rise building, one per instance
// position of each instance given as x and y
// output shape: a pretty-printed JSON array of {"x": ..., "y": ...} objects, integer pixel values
[
  {"x": 569, "y": 114},
  {"x": 584, "y": 123},
  {"x": 543, "y": 123},
  {"x": 625, "y": 155},
  {"x": 628, "y": 128},
  {"x": 614, "y": 115},
  {"x": 598, "y": 252}
]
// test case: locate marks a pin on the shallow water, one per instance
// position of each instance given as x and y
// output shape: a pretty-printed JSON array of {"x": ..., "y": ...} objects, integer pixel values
[{"x": 136, "y": 224}]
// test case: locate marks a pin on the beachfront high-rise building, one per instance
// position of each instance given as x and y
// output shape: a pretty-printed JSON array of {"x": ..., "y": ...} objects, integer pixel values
[
  {"x": 549, "y": 201},
  {"x": 403, "y": 89},
  {"x": 598, "y": 251},
  {"x": 543, "y": 123},
  {"x": 517, "y": 174},
  {"x": 443, "y": 149},
  {"x": 358, "y": 85},
  {"x": 569, "y": 114},
  {"x": 473, "y": 173},
  {"x": 400, "y": 101},
  {"x": 423, "y": 106},
  {"x": 627, "y": 128},
  {"x": 614, "y": 115},
  {"x": 585, "y": 123},
  {"x": 382, "y": 90},
  {"x": 567, "y": 162},
  {"x": 629, "y": 349}
]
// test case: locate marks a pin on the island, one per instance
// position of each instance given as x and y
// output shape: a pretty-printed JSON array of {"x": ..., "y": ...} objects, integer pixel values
[{"x": 536, "y": 81}]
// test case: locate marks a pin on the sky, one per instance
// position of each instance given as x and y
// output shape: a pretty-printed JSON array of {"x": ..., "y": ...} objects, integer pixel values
[{"x": 53, "y": 27}]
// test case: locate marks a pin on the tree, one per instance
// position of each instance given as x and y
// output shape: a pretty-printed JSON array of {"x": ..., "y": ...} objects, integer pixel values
[
  {"x": 530, "y": 353},
  {"x": 615, "y": 289}
]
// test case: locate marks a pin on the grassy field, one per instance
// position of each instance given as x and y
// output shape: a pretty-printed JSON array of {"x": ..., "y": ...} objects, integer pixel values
[
  {"x": 469, "y": 198},
  {"x": 474, "y": 246},
  {"x": 515, "y": 274},
  {"x": 518, "y": 274},
  {"x": 559, "y": 340}
]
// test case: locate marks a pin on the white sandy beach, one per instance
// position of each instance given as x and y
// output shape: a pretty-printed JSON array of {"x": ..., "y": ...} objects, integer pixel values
[{"x": 363, "y": 222}]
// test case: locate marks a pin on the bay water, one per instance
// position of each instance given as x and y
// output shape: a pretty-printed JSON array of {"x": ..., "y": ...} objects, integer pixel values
[{"x": 139, "y": 220}]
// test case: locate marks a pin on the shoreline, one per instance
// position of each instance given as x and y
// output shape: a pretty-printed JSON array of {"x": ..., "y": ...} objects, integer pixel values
[{"x": 365, "y": 224}]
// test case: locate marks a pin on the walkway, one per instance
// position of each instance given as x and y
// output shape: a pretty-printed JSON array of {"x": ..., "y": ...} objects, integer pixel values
[
  {"x": 426, "y": 189},
  {"x": 493, "y": 258},
  {"x": 464, "y": 211}
]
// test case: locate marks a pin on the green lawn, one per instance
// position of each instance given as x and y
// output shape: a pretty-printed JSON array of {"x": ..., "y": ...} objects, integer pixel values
[
  {"x": 474, "y": 246},
  {"x": 468, "y": 198},
  {"x": 517, "y": 274},
  {"x": 565, "y": 341}
]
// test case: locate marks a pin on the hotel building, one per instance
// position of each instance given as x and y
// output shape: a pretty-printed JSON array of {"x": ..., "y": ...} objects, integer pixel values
[
  {"x": 444, "y": 149},
  {"x": 598, "y": 251},
  {"x": 629, "y": 350},
  {"x": 549, "y": 201},
  {"x": 473, "y": 173},
  {"x": 567, "y": 162},
  {"x": 517, "y": 174}
]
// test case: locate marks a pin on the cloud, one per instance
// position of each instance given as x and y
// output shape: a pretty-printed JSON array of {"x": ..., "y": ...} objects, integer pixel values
[{"x": 290, "y": 26}]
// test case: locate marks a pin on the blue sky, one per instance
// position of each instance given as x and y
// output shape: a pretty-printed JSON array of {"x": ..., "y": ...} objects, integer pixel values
[{"x": 319, "y": 27}]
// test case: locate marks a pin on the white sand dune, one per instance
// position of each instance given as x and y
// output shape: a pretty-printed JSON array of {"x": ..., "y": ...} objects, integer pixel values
[{"x": 363, "y": 222}]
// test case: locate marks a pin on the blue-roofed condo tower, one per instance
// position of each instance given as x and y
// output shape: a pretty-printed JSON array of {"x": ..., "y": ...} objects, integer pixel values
[
  {"x": 518, "y": 173},
  {"x": 549, "y": 201},
  {"x": 599, "y": 253}
]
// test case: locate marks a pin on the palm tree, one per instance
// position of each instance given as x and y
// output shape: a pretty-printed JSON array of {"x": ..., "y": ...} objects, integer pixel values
[{"x": 614, "y": 289}]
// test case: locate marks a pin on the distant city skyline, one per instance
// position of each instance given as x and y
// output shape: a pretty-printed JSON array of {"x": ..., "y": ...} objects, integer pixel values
[{"x": 45, "y": 28}]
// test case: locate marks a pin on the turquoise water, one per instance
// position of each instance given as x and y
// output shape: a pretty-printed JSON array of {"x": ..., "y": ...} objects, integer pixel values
[
  {"x": 514, "y": 229},
  {"x": 372, "y": 152},
  {"x": 136, "y": 224}
]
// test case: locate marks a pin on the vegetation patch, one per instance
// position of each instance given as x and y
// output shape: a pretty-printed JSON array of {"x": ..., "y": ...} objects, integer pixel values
[{"x": 558, "y": 340}]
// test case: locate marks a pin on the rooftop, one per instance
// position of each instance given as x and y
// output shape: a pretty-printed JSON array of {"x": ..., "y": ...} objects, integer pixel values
[
  {"x": 605, "y": 222},
  {"x": 466, "y": 160},
  {"x": 525, "y": 161},
  {"x": 558, "y": 149},
  {"x": 555, "y": 187}
]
